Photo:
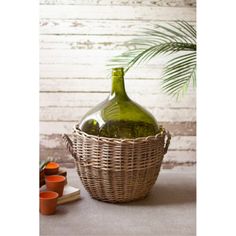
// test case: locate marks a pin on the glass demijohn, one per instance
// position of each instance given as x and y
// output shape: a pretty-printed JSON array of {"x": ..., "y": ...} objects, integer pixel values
[{"x": 118, "y": 116}]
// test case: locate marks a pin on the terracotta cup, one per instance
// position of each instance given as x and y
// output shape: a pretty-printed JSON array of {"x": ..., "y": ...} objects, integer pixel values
[
  {"x": 51, "y": 168},
  {"x": 48, "y": 202},
  {"x": 55, "y": 183}
]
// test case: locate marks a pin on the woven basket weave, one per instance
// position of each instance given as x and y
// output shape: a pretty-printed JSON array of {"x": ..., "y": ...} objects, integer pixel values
[{"x": 117, "y": 170}]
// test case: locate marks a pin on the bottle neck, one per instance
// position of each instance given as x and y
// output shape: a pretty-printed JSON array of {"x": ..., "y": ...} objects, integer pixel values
[{"x": 118, "y": 84}]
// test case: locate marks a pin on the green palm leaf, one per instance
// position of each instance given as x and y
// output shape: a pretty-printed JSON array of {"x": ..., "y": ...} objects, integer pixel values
[{"x": 179, "y": 72}]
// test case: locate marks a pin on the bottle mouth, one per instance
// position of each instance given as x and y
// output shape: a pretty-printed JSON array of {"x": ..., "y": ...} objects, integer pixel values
[{"x": 119, "y": 71}]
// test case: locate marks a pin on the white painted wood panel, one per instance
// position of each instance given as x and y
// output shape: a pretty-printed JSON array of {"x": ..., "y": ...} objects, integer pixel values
[
  {"x": 92, "y": 57},
  {"x": 91, "y": 27},
  {"x": 183, "y": 143},
  {"x": 52, "y": 127},
  {"x": 76, "y": 113},
  {"x": 88, "y": 99},
  {"x": 180, "y": 156},
  {"x": 78, "y": 38},
  {"x": 167, "y": 3},
  {"x": 139, "y": 86},
  {"x": 96, "y": 27},
  {"x": 117, "y": 12},
  {"x": 147, "y": 71},
  {"x": 89, "y": 42}
]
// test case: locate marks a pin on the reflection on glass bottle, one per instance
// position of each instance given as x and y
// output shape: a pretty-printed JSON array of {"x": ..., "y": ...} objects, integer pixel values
[{"x": 118, "y": 116}]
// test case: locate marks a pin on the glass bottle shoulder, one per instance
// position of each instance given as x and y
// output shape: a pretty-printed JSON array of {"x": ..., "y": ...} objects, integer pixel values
[{"x": 118, "y": 118}]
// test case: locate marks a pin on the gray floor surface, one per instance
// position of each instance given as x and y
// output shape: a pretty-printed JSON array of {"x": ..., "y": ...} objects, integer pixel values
[{"x": 169, "y": 210}]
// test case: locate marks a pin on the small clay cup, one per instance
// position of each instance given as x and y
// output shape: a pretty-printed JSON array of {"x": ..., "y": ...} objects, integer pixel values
[
  {"x": 48, "y": 202},
  {"x": 55, "y": 183},
  {"x": 51, "y": 168}
]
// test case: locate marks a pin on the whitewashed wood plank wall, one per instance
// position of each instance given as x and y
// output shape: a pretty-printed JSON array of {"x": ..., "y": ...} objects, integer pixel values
[{"x": 77, "y": 38}]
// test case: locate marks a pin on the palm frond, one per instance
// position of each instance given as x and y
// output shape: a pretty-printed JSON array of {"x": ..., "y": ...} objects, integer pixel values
[
  {"x": 179, "y": 73},
  {"x": 160, "y": 40}
]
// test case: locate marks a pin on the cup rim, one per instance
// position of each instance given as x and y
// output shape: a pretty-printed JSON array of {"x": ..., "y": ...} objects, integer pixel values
[
  {"x": 51, "y": 168},
  {"x": 61, "y": 178},
  {"x": 54, "y": 195}
]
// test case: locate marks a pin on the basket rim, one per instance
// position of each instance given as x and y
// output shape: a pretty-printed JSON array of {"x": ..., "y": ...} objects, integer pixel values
[{"x": 80, "y": 132}]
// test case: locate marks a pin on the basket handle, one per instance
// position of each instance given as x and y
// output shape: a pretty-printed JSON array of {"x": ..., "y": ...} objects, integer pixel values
[
  {"x": 167, "y": 142},
  {"x": 69, "y": 145}
]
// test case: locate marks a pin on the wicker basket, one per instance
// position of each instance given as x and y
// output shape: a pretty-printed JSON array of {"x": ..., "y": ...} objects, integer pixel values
[{"x": 117, "y": 170}]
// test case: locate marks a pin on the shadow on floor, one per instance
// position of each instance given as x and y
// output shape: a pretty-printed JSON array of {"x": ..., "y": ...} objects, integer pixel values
[{"x": 167, "y": 194}]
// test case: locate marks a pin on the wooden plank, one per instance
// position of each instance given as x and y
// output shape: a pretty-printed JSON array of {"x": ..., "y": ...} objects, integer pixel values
[
  {"x": 184, "y": 143},
  {"x": 180, "y": 157},
  {"x": 61, "y": 56},
  {"x": 175, "y": 128},
  {"x": 161, "y": 3},
  {"x": 90, "y": 57},
  {"x": 143, "y": 71},
  {"x": 180, "y": 128},
  {"x": 97, "y": 85},
  {"x": 187, "y": 143},
  {"x": 76, "y": 113},
  {"x": 59, "y": 155},
  {"x": 117, "y": 12},
  {"x": 90, "y": 42},
  {"x": 140, "y": 86},
  {"x": 91, "y": 99},
  {"x": 50, "y": 128},
  {"x": 95, "y": 27}
]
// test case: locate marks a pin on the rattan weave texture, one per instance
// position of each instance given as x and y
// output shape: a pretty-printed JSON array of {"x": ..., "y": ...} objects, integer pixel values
[{"x": 117, "y": 170}]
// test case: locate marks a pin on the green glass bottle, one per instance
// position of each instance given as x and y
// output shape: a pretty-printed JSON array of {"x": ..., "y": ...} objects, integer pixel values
[{"x": 118, "y": 116}]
